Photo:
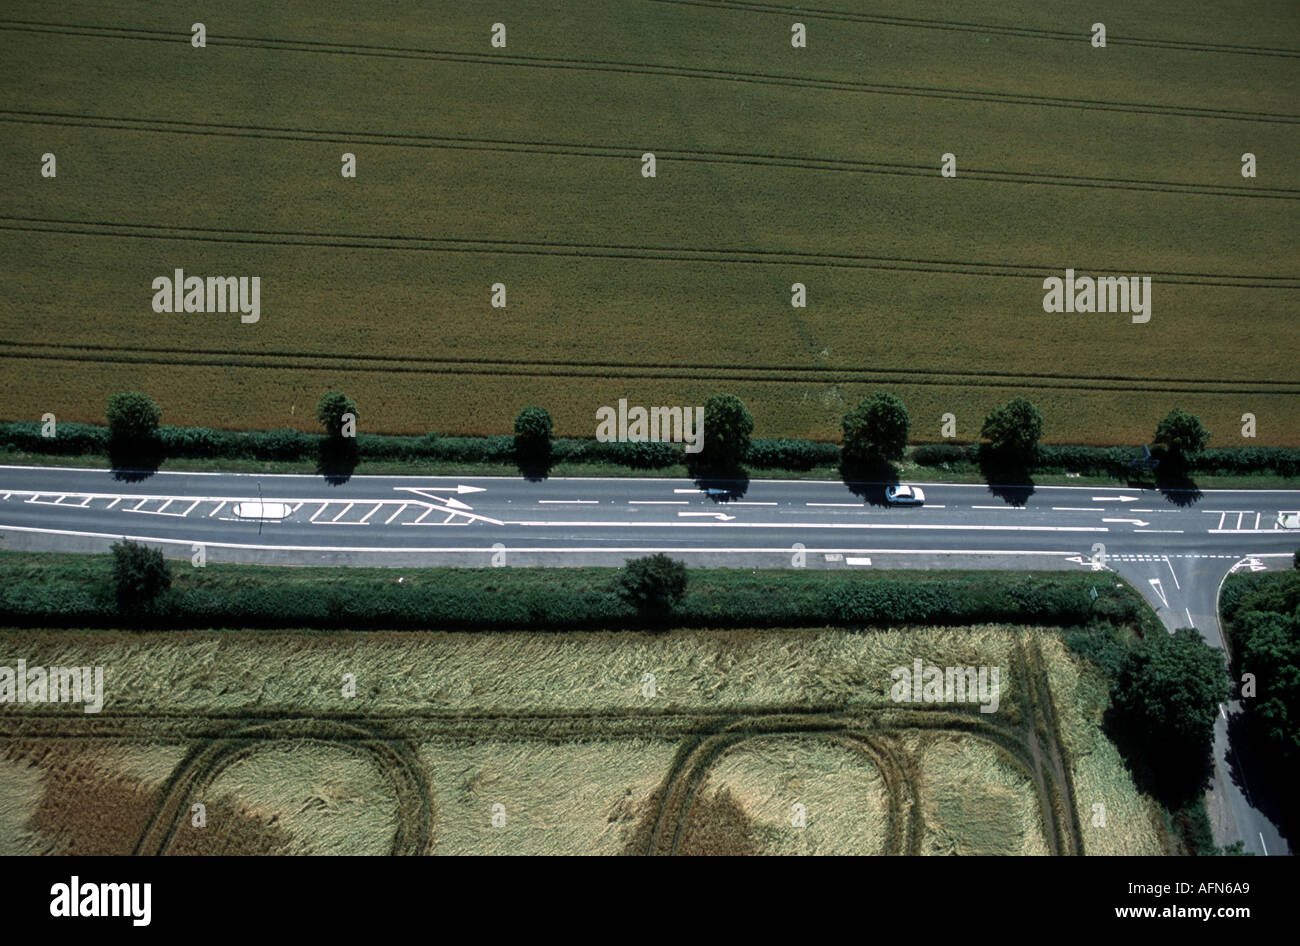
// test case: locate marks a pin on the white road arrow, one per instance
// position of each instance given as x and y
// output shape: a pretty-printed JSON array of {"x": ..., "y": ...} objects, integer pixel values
[
  {"x": 720, "y": 516},
  {"x": 1156, "y": 586},
  {"x": 1136, "y": 522},
  {"x": 1114, "y": 499},
  {"x": 428, "y": 491}
]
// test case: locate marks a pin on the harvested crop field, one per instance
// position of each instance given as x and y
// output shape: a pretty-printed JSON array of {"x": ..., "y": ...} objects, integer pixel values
[
  {"x": 772, "y": 742},
  {"x": 521, "y": 165}
]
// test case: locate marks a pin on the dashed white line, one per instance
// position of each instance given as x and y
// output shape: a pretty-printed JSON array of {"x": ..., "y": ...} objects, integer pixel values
[
  {"x": 658, "y": 502},
  {"x": 837, "y": 505},
  {"x": 1078, "y": 509},
  {"x": 568, "y": 502}
]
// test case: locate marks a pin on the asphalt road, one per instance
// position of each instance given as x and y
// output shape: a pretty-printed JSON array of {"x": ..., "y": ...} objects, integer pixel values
[
  {"x": 1175, "y": 547},
  {"x": 558, "y": 521}
]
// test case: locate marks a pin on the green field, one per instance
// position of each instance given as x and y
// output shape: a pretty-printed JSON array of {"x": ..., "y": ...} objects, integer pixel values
[
  {"x": 775, "y": 165},
  {"x": 560, "y": 730}
]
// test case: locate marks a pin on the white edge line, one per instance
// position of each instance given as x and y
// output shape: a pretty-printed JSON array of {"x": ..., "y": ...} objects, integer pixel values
[{"x": 783, "y": 550}]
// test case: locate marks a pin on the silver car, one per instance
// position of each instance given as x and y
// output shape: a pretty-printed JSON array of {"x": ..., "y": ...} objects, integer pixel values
[{"x": 904, "y": 496}]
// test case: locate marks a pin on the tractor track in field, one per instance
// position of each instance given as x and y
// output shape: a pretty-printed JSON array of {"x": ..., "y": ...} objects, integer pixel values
[
  {"x": 602, "y": 251},
  {"x": 389, "y": 740},
  {"x": 315, "y": 47},
  {"x": 994, "y": 29},
  {"x": 78, "y": 354},
  {"x": 623, "y": 153}
]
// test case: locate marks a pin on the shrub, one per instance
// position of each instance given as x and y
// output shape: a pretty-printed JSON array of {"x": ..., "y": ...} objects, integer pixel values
[
  {"x": 654, "y": 585},
  {"x": 133, "y": 418},
  {"x": 140, "y": 575},
  {"x": 1013, "y": 430},
  {"x": 330, "y": 411},
  {"x": 876, "y": 429}
]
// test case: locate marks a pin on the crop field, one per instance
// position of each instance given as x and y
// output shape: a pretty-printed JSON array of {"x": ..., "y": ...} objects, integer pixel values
[
  {"x": 521, "y": 165},
  {"x": 683, "y": 743}
]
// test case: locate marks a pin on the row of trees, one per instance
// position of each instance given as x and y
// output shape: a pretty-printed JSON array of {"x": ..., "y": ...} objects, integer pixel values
[{"x": 874, "y": 431}]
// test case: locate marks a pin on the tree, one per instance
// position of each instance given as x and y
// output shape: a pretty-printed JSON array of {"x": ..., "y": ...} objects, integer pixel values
[
  {"x": 876, "y": 428},
  {"x": 133, "y": 418},
  {"x": 1182, "y": 434},
  {"x": 727, "y": 427},
  {"x": 533, "y": 429},
  {"x": 1013, "y": 430},
  {"x": 140, "y": 575},
  {"x": 654, "y": 585},
  {"x": 330, "y": 411},
  {"x": 1169, "y": 690}
]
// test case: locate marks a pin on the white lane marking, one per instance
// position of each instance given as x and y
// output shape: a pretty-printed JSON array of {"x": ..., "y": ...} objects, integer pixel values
[
  {"x": 658, "y": 502},
  {"x": 396, "y": 514},
  {"x": 1077, "y": 509},
  {"x": 804, "y": 525},
  {"x": 139, "y": 504},
  {"x": 190, "y": 508},
  {"x": 109, "y": 506},
  {"x": 1114, "y": 499},
  {"x": 366, "y": 517},
  {"x": 1160, "y": 531},
  {"x": 479, "y": 549},
  {"x": 422, "y": 515},
  {"x": 164, "y": 505},
  {"x": 1239, "y": 515},
  {"x": 997, "y": 507},
  {"x": 1158, "y": 589},
  {"x": 1257, "y": 515},
  {"x": 720, "y": 516},
  {"x": 838, "y": 505},
  {"x": 850, "y": 560},
  {"x": 688, "y": 491},
  {"x": 1222, "y": 712},
  {"x": 318, "y": 512},
  {"x": 218, "y": 509},
  {"x": 1188, "y": 612},
  {"x": 296, "y": 507},
  {"x": 343, "y": 513},
  {"x": 1221, "y": 518},
  {"x": 1262, "y": 844},
  {"x": 737, "y": 503},
  {"x": 1135, "y": 522},
  {"x": 1171, "y": 571},
  {"x": 568, "y": 502}
]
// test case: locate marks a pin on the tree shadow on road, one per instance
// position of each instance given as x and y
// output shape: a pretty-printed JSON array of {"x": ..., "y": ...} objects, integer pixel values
[
  {"x": 724, "y": 489},
  {"x": 133, "y": 462},
  {"x": 868, "y": 478},
  {"x": 1260, "y": 784},
  {"x": 337, "y": 459},
  {"x": 1009, "y": 478}
]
